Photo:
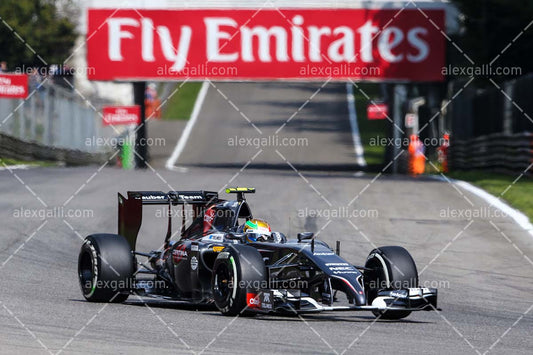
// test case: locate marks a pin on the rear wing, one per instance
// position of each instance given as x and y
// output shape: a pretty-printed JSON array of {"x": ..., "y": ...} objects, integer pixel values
[
  {"x": 174, "y": 197},
  {"x": 130, "y": 208}
]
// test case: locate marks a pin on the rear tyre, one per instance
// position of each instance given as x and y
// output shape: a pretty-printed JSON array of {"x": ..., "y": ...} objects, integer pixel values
[
  {"x": 105, "y": 268},
  {"x": 239, "y": 273},
  {"x": 393, "y": 269}
]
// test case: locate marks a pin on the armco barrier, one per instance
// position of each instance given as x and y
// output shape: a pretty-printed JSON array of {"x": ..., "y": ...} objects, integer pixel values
[
  {"x": 498, "y": 152},
  {"x": 11, "y": 147},
  {"x": 53, "y": 123}
]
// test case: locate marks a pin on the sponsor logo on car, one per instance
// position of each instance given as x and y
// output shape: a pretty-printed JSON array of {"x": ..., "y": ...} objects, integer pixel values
[
  {"x": 266, "y": 302},
  {"x": 154, "y": 197},
  {"x": 398, "y": 294},
  {"x": 252, "y": 300},
  {"x": 179, "y": 255},
  {"x": 190, "y": 197},
  {"x": 194, "y": 263},
  {"x": 213, "y": 238},
  {"x": 209, "y": 215}
]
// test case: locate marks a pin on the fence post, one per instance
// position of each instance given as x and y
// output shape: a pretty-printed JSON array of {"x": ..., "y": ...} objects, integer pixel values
[
  {"x": 75, "y": 125},
  {"x": 400, "y": 95},
  {"x": 46, "y": 117},
  {"x": 62, "y": 112},
  {"x": 22, "y": 119},
  {"x": 141, "y": 157},
  {"x": 33, "y": 117}
]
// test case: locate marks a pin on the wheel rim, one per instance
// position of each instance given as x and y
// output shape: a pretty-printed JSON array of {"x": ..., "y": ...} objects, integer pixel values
[
  {"x": 85, "y": 273},
  {"x": 223, "y": 284}
]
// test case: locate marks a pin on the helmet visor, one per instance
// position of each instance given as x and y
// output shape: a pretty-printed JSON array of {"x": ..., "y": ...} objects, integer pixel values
[{"x": 257, "y": 237}]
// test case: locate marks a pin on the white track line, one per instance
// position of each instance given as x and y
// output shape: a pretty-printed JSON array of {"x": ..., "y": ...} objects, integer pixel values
[
  {"x": 356, "y": 137},
  {"x": 521, "y": 219},
  {"x": 16, "y": 167},
  {"x": 171, "y": 162}
]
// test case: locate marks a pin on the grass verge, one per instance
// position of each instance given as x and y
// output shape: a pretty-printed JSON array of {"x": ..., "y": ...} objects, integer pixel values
[
  {"x": 180, "y": 105},
  {"x": 519, "y": 195},
  {"x": 9, "y": 161}
]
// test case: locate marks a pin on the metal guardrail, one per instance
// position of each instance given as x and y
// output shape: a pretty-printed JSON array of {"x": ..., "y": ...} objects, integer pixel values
[
  {"x": 52, "y": 116},
  {"x": 475, "y": 112},
  {"x": 505, "y": 152}
]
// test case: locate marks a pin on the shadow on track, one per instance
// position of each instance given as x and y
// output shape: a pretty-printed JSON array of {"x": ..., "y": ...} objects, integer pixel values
[{"x": 212, "y": 311}]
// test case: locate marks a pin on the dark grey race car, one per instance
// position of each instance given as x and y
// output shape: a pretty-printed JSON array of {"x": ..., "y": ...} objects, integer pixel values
[{"x": 213, "y": 263}]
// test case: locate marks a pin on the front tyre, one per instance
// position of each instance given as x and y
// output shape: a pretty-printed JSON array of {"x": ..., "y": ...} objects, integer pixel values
[
  {"x": 394, "y": 269},
  {"x": 239, "y": 273},
  {"x": 105, "y": 268}
]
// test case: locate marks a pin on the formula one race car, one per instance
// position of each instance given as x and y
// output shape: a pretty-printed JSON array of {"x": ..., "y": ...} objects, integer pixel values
[{"x": 228, "y": 258}]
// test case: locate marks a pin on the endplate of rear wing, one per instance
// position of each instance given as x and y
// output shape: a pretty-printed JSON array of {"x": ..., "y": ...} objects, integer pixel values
[{"x": 130, "y": 208}]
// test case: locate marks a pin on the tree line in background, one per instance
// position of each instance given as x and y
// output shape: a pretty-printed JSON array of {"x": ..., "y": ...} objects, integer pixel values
[
  {"x": 492, "y": 26},
  {"x": 45, "y": 25}
]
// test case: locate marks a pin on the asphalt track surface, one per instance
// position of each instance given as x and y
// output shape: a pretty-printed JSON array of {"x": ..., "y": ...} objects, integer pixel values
[
  {"x": 271, "y": 124},
  {"x": 482, "y": 265},
  {"x": 488, "y": 281}
]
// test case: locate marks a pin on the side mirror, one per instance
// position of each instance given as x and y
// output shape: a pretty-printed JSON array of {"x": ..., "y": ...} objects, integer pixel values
[
  {"x": 235, "y": 236},
  {"x": 305, "y": 236}
]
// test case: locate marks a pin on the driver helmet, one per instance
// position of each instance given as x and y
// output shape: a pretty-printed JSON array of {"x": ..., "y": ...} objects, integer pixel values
[{"x": 257, "y": 230}]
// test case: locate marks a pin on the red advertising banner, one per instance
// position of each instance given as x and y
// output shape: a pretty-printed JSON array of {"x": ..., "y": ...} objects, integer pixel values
[
  {"x": 14, "y": 86},
  {"x": 268, "y": 44},
  {"x": 117, "y": 115},
  {"x": 378, "y": 111}
]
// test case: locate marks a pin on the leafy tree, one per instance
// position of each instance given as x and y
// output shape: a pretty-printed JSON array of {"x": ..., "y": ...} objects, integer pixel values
[
  {"x": 490, "y": 26},
  {"x": 45, "y": 30}
]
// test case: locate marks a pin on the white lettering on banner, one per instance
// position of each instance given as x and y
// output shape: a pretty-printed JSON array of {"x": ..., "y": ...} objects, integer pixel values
[
  {"x": 388, "y": 40},
  {"x": 214, "y": 35},
  {"x": 297, "y": 39},
  {"x": 341, "y": 49},
  {"x": 263, "y": 35},
  {"x": 116, "y": 34},
  {"x": 346, "y": 42},
  {"x": 139, "y": 43},
  {"x": 368, "y": 31},
  {"x": 419, "y": 44},
  {"x": 148, "y": 40},
  {"x": 12, "y": 90}
]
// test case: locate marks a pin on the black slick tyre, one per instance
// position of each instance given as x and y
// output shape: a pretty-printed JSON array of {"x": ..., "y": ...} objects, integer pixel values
[{"x": 105, "y": 268}]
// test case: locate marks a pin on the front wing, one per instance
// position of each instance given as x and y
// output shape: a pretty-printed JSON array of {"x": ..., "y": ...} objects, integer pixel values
[{"x": 296, "y": 302}]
